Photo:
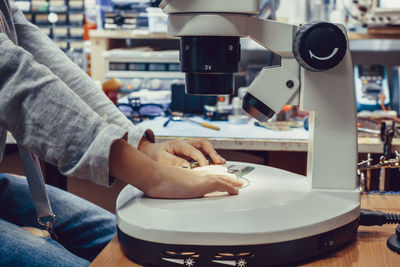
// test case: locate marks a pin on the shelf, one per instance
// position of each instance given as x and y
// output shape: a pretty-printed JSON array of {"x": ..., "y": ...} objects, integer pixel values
[
  {"x": 38, "y": 15},
  {"x": 134, "y": 34},
  {"x": 374, "y": 42},
  {"x": 71, "y": 11},
  {"x": 59, "y": 25},
  {"x": 367, "y": 36},
  {"x": 357, "y": 42},
  {"x": 375, "y": 45},
  {"x": 66, "y": 40},
  {"x": 357, "y": 45}
]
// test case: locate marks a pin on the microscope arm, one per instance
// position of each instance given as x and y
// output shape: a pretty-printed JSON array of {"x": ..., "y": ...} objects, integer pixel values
[
  {"x": 326, "y": 91},
  {"x": 283, "y": 81},
  {"x": 276, "y": 36}
]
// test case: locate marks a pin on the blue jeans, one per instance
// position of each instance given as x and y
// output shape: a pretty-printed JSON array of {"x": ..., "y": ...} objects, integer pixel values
[{"x": 83, "y": 228}]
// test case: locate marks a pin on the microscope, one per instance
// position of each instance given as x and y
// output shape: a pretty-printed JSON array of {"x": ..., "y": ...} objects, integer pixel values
[{"x": 280, "y": 217}]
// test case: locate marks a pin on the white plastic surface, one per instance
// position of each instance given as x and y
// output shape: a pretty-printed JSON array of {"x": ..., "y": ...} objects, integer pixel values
[{"x": 276, "y": 206}]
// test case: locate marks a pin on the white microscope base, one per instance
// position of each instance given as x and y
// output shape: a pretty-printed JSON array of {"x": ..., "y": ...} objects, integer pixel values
[{"x": 277, "y": 207}]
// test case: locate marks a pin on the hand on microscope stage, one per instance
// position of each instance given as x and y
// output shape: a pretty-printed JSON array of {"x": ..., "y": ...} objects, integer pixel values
[
  {"x": 164, "y": 181},
  {"x": 176, "y": 182},
  {"x": 177, "y": 151}
]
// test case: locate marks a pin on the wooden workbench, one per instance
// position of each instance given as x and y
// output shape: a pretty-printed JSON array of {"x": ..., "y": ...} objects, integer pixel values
[
  {"x": 371, "y": 144},
  {"x": 248, "y": 137},
  {"x": 365, "y": 144},
  {"x": 368, "y": 250}
]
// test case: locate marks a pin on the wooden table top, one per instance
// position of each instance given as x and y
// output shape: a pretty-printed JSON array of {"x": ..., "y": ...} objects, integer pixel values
[{"x": 368, "y": 250}]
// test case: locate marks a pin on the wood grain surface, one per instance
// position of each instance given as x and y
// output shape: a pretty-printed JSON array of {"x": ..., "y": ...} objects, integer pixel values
[{"x": 369, "y": 249}]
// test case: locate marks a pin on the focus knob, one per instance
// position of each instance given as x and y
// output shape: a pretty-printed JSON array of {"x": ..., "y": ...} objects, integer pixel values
[{"x": 319, "y": 46}]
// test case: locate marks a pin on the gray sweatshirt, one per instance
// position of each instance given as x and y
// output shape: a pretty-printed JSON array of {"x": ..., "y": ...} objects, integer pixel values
[{"x": 51, "y": 106}]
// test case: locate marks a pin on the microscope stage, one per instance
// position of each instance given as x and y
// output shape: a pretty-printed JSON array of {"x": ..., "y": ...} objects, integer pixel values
[{"x": 275, "y": 207}]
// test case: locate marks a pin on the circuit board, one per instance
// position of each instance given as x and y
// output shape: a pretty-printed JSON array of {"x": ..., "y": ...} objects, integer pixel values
[{"x": 239, "y": 170}]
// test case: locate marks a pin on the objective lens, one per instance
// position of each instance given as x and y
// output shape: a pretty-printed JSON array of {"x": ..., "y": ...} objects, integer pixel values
[
  {"x": 209, "y": 63},
  {"x": 256, "y": 108}
]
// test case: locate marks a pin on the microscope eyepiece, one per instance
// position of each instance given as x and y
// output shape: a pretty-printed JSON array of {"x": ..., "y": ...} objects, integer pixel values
[{"x": 209, "y": 63}]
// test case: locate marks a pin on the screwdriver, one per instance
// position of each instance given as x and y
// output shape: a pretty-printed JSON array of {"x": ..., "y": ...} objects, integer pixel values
[
  {"x": 210, "y": 126},
  {"x": 180, "y": 118}
]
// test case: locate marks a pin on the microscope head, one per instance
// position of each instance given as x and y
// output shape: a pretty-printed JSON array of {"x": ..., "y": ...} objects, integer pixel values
[
  {"x": 209, "y": 53},
  {"x": 210, "y": 32}
]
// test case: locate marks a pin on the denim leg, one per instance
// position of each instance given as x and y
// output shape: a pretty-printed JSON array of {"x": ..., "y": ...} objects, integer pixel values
[
  {"x": 82, "y": 227},
  {"x": 20, "y": 248}
]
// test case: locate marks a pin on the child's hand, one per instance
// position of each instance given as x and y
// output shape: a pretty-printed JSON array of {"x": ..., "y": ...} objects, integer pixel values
[
  {"x": 177, "y": 182},
  {"x": 165, "y": 181},
  {"x": 174, "y": 152}
]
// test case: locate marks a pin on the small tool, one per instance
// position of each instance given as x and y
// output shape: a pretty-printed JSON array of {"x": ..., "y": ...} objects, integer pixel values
[
  {"x": 368, "y": 182},
  {"x": 207, "y": 125},
  {"x": 392, "y": 163},
  {"x": 183, "y": 118},
  {"x": 171, "y": 118},
  {"x": 386, "y": 161},
  {"x": 239, "y": 170},
  {"x": 387, "y": 134}
]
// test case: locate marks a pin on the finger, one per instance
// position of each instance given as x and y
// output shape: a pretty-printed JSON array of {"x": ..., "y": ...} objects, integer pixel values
[
  {"x": 214, "y": 184},
  {"x": 208, "y": 149},
  {"x": 185, "y": 149},
  {"x": 170, "y": 159},
  {"x": 233, "y": 181},
  {"x": 214, "y": 169},
  {"x": 223, "y": 186}
]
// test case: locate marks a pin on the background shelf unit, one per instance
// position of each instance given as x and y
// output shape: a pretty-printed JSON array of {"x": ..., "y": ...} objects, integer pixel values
[{"x": 67, "y": 32}]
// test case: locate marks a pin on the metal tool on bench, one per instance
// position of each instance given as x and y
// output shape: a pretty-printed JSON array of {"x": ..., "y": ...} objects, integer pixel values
[
  {"x": 386, "y": 161},
  {"x": 256, "y": 227},
  {"x": 375, "y": 12},
  {"x": 387, "y": 135},
  {"x": 177, "y": 116},
  {"x": 382, "y": 165}
]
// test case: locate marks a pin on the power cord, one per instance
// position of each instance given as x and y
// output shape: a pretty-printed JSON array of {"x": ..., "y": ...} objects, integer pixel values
[{"x": 373, "y": 217}]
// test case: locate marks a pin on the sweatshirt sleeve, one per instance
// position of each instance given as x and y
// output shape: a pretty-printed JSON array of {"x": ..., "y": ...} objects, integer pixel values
[
  {"x": 32, "y": 39},
  {"x": 48, "y": 118}
]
